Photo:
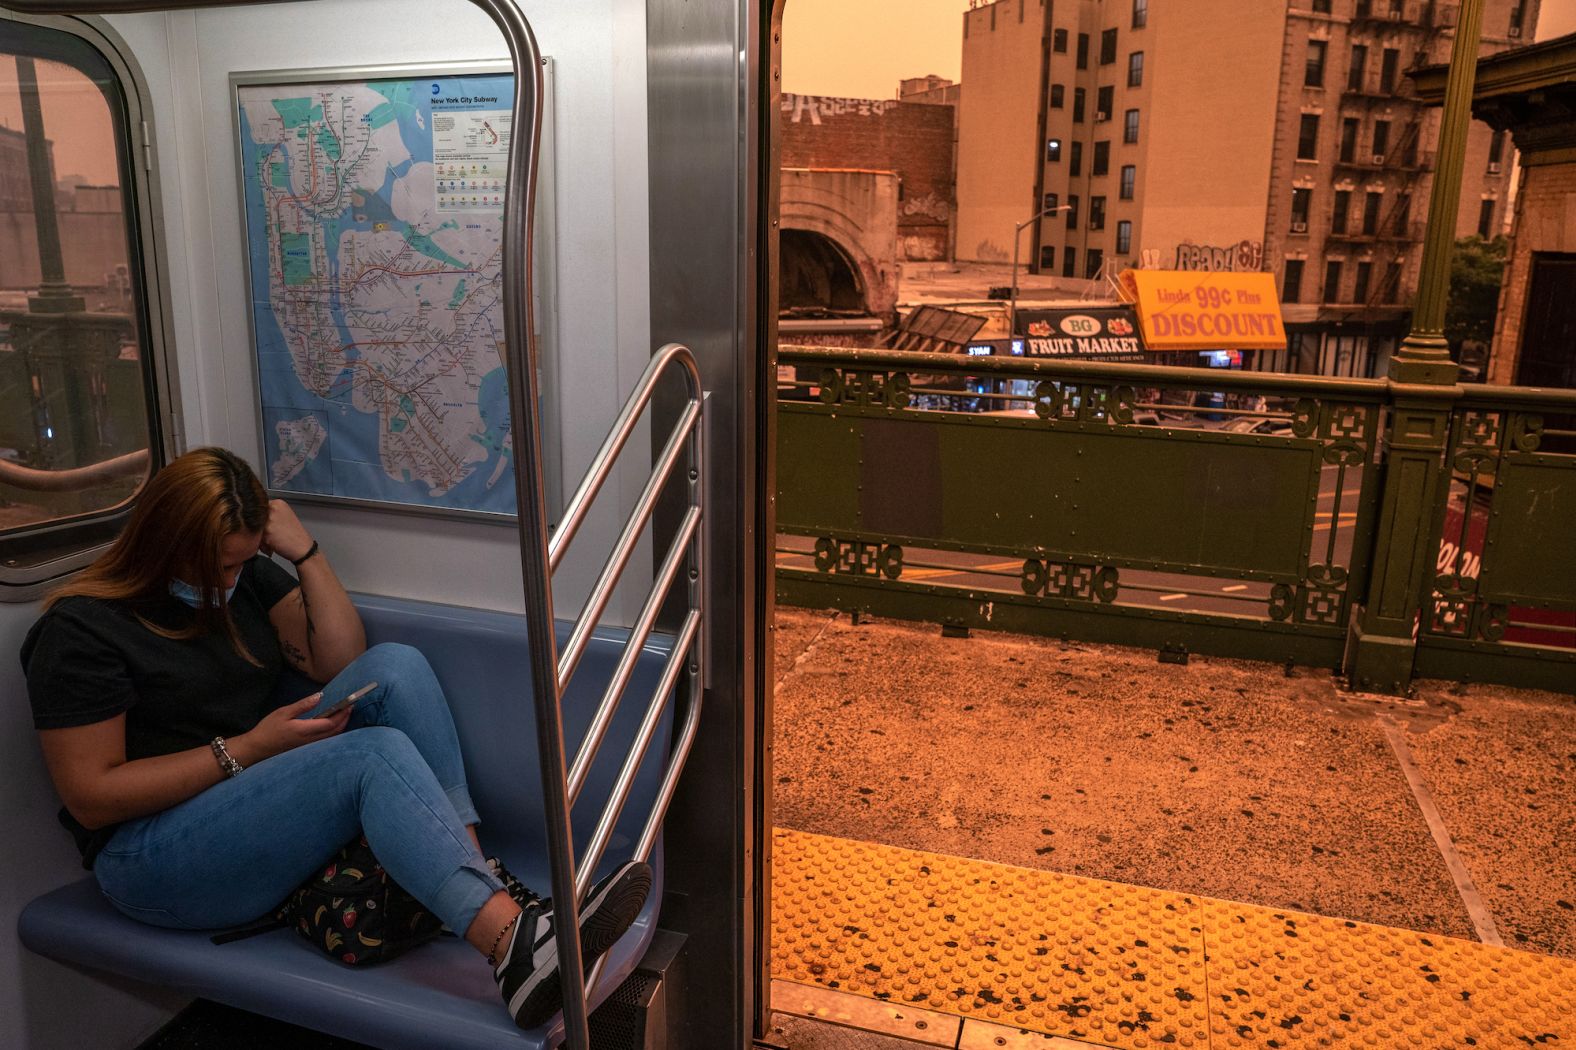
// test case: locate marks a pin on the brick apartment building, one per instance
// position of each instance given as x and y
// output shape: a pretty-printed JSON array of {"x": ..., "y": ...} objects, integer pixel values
[{"x": 1217, "y": 134}]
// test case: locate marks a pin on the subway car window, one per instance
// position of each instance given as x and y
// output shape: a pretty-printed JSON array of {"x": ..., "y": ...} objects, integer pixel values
[{"x": 77, "y": 415}]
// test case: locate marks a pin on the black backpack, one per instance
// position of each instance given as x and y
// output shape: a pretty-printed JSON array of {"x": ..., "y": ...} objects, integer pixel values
[{"x": 352, "y": 911}]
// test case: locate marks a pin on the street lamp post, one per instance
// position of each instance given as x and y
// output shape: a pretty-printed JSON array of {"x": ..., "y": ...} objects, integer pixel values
[{"x": 1017, "y": 235}]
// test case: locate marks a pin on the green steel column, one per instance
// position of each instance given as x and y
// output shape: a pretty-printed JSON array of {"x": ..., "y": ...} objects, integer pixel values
[
  {"x": 54, "y": 294},
  {"x": 1381, "y": 647}
]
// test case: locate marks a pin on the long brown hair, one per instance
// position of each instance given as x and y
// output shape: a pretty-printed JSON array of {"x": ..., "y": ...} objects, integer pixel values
[{"x": 175, "y": 531}]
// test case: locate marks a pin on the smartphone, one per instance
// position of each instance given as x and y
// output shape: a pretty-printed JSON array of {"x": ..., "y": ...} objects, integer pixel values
[{"x": 346, "y": 702}]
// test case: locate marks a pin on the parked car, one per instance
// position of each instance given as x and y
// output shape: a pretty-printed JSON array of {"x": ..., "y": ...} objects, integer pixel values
[{"x": 1266, "y": 425}]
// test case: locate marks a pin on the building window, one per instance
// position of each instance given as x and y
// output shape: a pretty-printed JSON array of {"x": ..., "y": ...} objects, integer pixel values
[
  {"x": 1078, "y": 105},
  {"x": 1097, "y": 213},
  {"x": 1059, "y": 41},
  {"x": 1301, "y": 200},
  {"x": 1072, "y": 211},
  {"x": 1348, "y": 140},
  {"x": 1047, "y": 257},
  {"x": 1104, "y": 102},
  {"x": 1371, "y": 205},
  {"x": 1093, "y": 257},
  {"x": 1486, "y": 219},
  {"x": 1403, "y": 213},
  {"x": 1124, "y": 237},
  {"x": 1360, "y": 285},
  {"x": 1053, "y": 151},
  {"x": 1135, "y": 69},
  {"x": 1313, "y": 74},
  {"x": 1107, "y": 47},
  {"x": 1140, "y": 13},
  {"x": 1102, "y": 159},
  {"x": 1322, "y": 6},
  {"x": 77, "y": 363},
  {"x": 1381, "y": 140},
  {"x": 1389, "y": 65},
  {"x": 1083, "y": 51},
  {"x": 1516, "y": 16},
  {"x": 1058, "y": 96},
  {"x": 1048, "y": 203},
  {"x": 1339, "y": 214},
  {"x": 1129, "y": 180},
  {"x": 1308, "y": 137},
  {"x": 1496, "y": 152},
  {"x": 1392, "y": 283},
  {"x": 1069, "y": 261},
  {"x": 1075, "y": 160},
  {"x": 1359, "y": 66},
  {"x": 1332, "y": 281},
  {"x": 1130, "y": 126},
  {"x": 1291, "y": 286}
]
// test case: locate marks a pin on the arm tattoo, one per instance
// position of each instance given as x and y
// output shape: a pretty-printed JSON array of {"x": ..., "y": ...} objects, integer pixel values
[
  {"x": 306, "y": 608},
  {"x": 294, "y": 655}
]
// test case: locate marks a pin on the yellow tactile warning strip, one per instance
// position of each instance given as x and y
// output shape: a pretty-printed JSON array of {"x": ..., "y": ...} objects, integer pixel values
[{"x": 1124, "y": 966}]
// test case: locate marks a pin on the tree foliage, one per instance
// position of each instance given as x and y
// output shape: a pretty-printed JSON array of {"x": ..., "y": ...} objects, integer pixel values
[{"x": 1476, "y": 269}]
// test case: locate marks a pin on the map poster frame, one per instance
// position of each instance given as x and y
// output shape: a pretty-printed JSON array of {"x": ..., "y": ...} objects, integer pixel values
[{"x": 302, "y": 405}]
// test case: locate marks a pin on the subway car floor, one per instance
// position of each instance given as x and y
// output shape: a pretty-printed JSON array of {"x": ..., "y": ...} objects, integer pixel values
[{"x": 1020, "y": 841}]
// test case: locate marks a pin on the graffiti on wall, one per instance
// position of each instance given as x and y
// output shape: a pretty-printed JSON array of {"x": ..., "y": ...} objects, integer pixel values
[
  {"x": 1242, "y": 257},
  {"x": 797, "y": 107},
  {"x": 930, "y": 206}
]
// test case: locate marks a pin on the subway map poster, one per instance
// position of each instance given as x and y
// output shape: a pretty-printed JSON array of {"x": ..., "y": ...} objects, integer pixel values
[{"x": 374, "y": 237}]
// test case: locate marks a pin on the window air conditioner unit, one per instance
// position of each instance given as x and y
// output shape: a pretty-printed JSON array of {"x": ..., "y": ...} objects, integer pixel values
[
  {"x": 1515, "y": 31},
  {"x": 1299, "y": 227},
  {"x": 1101, "y": 118},
  {"x": 1493, "y": 167},
  {"x": 1378, "y": 158}
]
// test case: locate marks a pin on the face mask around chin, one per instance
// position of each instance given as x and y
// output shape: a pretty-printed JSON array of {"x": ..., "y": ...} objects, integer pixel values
[{"x": 193, "y": 597}]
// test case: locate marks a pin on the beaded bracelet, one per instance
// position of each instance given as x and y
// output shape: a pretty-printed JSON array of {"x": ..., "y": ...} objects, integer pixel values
[{"x": 222, "y": 754}]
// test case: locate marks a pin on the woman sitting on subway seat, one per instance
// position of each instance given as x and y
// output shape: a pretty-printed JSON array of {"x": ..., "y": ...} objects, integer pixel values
[{"x": 198, "y": 804}]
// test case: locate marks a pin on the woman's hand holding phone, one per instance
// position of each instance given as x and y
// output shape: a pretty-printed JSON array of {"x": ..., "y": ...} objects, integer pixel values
[{"x": 285, "y": 729}]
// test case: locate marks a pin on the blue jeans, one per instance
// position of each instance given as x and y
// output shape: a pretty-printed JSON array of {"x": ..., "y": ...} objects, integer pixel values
[{"x": 235, "y": 851}]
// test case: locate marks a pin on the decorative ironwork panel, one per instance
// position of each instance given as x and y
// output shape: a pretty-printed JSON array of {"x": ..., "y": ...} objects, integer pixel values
[
  {"x": 1073, "y": 580},
  {"x": 858, "y": 558}
]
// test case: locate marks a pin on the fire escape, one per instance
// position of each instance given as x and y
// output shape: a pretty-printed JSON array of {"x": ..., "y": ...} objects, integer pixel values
[{"x": 1418, "y": 27}]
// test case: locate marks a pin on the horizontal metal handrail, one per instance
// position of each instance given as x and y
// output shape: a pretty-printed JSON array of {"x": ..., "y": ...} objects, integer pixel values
[
  {"x": 638, "y": 636},
  {"x": 618, "y": 560},
  {"x": 623, "y": 427},
  {"x": 1473, "y": 395},
  {"x": 678, "y": 659},
  {"x": 1099, "y": 371},
  {"x": 74, "y": 479}
]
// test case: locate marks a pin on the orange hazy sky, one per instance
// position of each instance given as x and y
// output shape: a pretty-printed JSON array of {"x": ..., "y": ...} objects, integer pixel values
[
  {"x": 862, "y": 48},
  {"x": 76, "y": 119}
]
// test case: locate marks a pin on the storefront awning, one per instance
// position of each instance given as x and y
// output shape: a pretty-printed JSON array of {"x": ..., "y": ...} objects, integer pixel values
[{"x": 1188, "y": 310}]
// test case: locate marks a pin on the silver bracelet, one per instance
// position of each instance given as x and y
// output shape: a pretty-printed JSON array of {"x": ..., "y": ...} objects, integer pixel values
[{"x": 222, "y": 754}]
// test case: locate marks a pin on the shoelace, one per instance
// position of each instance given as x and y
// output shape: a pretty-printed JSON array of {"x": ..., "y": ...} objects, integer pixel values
[{"x": 516, "y": 889}]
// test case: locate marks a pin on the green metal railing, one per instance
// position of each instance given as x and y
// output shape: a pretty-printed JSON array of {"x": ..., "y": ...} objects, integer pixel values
[{"x": 1092, "y": 501}]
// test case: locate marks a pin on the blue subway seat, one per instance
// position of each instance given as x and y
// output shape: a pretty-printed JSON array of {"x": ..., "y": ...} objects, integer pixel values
[{"x": 440, "y": 994}]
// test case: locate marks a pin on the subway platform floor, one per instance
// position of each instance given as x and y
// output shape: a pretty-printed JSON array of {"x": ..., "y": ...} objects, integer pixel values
[{"x": 1220, "y": 778}]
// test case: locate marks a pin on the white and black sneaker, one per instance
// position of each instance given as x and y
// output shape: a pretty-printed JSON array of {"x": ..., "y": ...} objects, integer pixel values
[
  {"x": 527, "y": 973},
  {"x": 517, "y": 890}
]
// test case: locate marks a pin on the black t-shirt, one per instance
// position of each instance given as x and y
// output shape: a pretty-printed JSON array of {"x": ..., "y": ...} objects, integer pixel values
[{"x": 89, "y": 660}]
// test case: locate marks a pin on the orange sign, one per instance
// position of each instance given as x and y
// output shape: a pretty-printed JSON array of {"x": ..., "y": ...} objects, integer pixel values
[{"x": 1188, "y": 310}]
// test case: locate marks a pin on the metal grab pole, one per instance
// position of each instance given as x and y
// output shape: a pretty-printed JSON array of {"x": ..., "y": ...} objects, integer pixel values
[{"x": 520, "y": 355}]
